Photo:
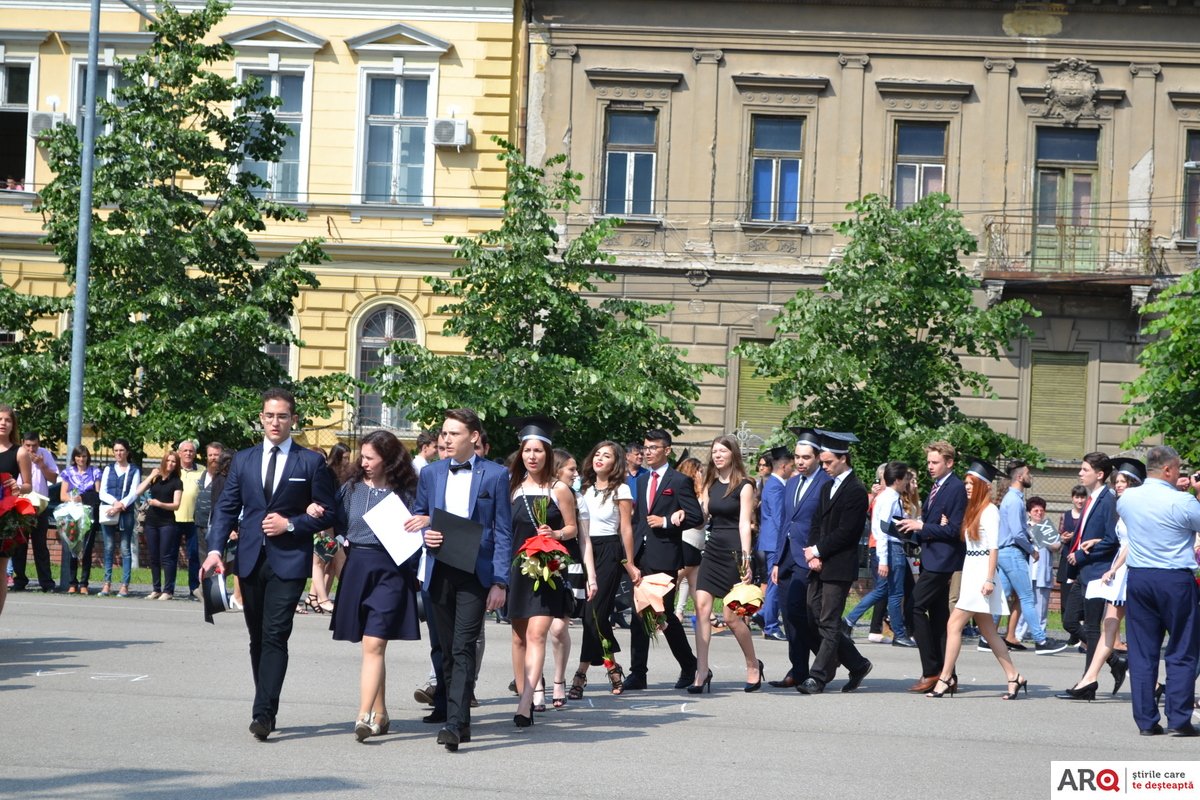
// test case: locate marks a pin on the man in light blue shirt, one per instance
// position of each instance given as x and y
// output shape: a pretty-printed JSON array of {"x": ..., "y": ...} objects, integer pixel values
[
  {"x": 1013, "y": 561},
  {"x": 1161, "y": 593}
]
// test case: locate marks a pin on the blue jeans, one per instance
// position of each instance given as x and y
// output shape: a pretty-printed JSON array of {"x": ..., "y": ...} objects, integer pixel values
[
  {"x": 187, "y": 534},
  {"x": 891, "y": 587},
  {"x": 1013, "y": 569},
  {"x": 125, "y": 530},
  {"x": 770, "y": 607}
]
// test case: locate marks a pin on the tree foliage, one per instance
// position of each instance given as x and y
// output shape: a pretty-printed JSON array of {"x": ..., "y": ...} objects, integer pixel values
[
  {"x": 181, "y": 304},
  {"x": 879, "y": 349},
  {"x": 534, "y": 343},
  {"x": 1165, "y": 399}
]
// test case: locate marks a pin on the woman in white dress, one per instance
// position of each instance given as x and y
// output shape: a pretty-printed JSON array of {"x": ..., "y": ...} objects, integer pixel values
[
  {"x": 1127, "y": 472},
  {"x": 978, "y": 599}
]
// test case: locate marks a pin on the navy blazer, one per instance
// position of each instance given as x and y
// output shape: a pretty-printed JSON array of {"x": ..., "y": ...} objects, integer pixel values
[
  {"x": 661, "y": 549},
  {"x": 843, "y": 518},
  {"x": 942, "y": 546},
  {"x": 796, "y": 524},
  {"x": 306, "y": 479},
  {"x": 770, "y": 514},
  {"x": 489, "y": 505},
  {"x": 1101, "y": 524}
]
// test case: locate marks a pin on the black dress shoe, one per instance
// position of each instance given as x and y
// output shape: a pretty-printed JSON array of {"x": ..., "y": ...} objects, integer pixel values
[
  {"x": 1119, "y": 666},
  {"x": 449, "y": 738},
  {"x": 685, "y": 679},
  {"x": 904, "y": 641},
  {"x": 436, "y": 718},
  {"x": 261, "y": 726},
  {"x": 856, "y": 678},
  {"x": 788, "y": 682},
  {"x": 1186, "y": 729},
  {"x": 636, "y": 683},
  {"x": 811, "y": 686},
  {"x": 464, "y": 734},
  {"x": 778, "y": 636},
  {"x": 1153, "y": 730}
]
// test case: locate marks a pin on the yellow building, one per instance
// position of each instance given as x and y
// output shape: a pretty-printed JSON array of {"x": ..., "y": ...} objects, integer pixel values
[{"x": 393, "y": 105}]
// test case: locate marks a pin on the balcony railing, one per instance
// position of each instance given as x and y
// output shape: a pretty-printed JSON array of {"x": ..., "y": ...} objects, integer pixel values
[{"x": 1109, "y": 246}]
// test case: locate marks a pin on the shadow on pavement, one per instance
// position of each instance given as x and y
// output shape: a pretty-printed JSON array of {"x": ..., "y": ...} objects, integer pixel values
[
  {"x": 140, "y": 784},
  {"x": 19, "y": 657}
]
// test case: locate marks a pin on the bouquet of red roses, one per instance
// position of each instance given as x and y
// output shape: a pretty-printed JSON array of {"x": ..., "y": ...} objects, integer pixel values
[
  {"x": 745, "y": 599},
  {"x": 543, "y": 559},
  {"x": 18, "y": 518},
  {"x": 325, "y": 547}
]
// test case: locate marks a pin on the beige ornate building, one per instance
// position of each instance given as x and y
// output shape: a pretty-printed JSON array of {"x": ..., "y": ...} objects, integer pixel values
[{"x": 731, "y": 135}]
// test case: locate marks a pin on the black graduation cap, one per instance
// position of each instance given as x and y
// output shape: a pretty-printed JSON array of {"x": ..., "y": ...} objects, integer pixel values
[
  {"x": 836, "y": 442},
  {"x": 807, "y": 436},
  {"x": 779, "y": 453},
  {"x": 984, "y": 470},
  {"x": 535, "y": 426},
  {"x": 1131, "y": 467},
  {"x": 216, "y": 596}
]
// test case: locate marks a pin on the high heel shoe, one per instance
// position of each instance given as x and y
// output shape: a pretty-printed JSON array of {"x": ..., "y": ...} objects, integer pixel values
[
  {"x": 539, "y": 696},
  {"x": 705, "y": 686},
  {"x": 1159, "y": 690},
  {"x": 366, "y": 727},
  {"x": 385, "y": 723},
  {"x": 1020, "y": 683},
  {"x": 1085, "y": 692},
  {"x": 754, "y": 687},
  {"x": 559, "y": 702},
  {"x": 951, "y": 687},
  {"x": 522, "y": 721}
]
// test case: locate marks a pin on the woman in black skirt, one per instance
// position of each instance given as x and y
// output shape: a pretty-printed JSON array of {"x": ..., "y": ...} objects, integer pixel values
[
  {"x": 532, "y": 610},
  {"x": 377, "y": 599}
]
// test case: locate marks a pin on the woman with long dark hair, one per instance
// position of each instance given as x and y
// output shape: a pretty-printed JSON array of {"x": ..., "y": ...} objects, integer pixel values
[
  {"x": 326, "y": 570},
  {"x": 609, "y": 503},
  {"x": 728, "y": 502},
  {"x": 693, "y": 541},
  {"x": 15, "y": 462},
  {"x": 978, "y": 599},
  {"x": 160, "y": 530},
  {"x": 377, "y": 597},
  {"x": 533, "y": 609},
  {"x": 79, "y": 484},
  {"x": 581, "y": 576}
]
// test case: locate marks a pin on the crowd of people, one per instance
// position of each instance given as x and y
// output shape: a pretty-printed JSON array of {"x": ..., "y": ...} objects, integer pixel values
[{"x": 545, "y": 542}]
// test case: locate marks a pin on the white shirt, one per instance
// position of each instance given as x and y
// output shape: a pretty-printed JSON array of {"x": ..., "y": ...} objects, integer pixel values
[
  {"x": 605, "y": 515},
  {"x": 458, "y": 490},
  {"x": 660, "y": 471},
  {"x": 419, "y": 463},
  {"x": 881, "y": 519},
  {"x": 280, "y": 461},
  {"x": 805, "y": 482},
  {"x": 1091, "y": 504},
  {"x": 837, "y": 482}
]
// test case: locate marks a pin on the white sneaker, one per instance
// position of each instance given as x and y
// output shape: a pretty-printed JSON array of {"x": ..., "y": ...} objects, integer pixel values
[
  {"x": 878, "y": 638},
  {"x": 153, "y": 595}
]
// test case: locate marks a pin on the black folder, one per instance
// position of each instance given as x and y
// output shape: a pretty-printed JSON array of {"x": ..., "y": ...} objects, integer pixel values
[{"x": 460, "y": 540}]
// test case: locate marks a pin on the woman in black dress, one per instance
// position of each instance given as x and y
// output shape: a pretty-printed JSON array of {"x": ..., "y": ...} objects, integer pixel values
[
  {"x": 728, "y": 500},
  {"x": 532, "y": 610},
  {"x": 160, "y": 530},
  {"x": 377, "y": 598},
  {"x": 14, "y": 461}
]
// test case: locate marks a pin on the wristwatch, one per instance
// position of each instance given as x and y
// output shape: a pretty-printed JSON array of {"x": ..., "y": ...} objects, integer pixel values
[
  {"x": 291, "y": 528},
  {"x": 503, "y": 586}
]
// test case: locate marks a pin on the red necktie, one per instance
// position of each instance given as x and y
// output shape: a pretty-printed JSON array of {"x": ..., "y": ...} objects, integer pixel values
[
  {"x": 653, "y": 490},
  {"x": 1082, "y": 518}
]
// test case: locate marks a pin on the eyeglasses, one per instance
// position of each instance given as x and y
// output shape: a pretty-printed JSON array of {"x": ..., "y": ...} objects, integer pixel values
[
  {"x": 652, "y": 447},
  {"x": 276, "y": 417}
]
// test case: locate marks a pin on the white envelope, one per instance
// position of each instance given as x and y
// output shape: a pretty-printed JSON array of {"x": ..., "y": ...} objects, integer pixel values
[{"x": 386, "y": 521}]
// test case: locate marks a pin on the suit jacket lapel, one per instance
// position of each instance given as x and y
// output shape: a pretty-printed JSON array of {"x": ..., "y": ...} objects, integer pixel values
[
  {"x": 476, "y": 482},
  {"x": 257, "y": 462},
  {"x": 439, "y": 486}
]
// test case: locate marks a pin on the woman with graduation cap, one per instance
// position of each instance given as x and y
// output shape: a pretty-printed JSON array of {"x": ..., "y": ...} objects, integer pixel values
[
  {"x": 542, "y": 505},
  {"x": 1127, "y": 472},
  {"x": 977, "y": 597}
]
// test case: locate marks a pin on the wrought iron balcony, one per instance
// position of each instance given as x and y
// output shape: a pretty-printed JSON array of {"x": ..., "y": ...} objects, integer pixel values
[{"x": 1109, "y": 246}]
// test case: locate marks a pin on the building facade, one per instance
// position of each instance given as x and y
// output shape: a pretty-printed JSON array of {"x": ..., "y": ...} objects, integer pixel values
[
  {"x": 393, "y": 105},
  {"x": 731, "y": 136}
]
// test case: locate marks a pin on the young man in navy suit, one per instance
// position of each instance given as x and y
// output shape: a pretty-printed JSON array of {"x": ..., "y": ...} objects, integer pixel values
[
  {"x": 1098, "y": 527},
  {"x": 942, "y": 555},
  {"x": 270, "y": 487},
  {"x": 785, "y": 557},
  {"x": 666, "y": 506},
  {"x": 466, "y": 485}
]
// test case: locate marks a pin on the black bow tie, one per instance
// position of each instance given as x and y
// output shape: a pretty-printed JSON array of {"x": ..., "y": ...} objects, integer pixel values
[{"x": 456, "y": 467}]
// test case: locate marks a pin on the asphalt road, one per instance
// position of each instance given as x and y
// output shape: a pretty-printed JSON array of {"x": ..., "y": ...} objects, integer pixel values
[{"x": 101, "y": 697}]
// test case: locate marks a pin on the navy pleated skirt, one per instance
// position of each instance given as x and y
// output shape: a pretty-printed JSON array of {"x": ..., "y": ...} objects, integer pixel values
[{"x": 375, "y": 597}]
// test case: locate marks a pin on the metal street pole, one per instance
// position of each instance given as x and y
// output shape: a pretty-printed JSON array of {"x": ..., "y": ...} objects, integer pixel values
[{"x": 83, "y": 251}]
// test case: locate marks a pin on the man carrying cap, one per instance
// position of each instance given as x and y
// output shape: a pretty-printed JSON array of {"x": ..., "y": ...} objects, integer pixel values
[
  {"x": 832, "y": 559},
  {"x": 1161, "y": 593}
]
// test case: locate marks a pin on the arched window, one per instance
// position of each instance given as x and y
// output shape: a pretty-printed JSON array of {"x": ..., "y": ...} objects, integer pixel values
[{"x": 380, "y": 328}]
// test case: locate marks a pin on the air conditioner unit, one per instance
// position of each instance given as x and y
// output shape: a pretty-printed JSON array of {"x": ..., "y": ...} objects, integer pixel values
[
  {"x": 450, "y": 133},
  {"x": 42, "y": 121}
]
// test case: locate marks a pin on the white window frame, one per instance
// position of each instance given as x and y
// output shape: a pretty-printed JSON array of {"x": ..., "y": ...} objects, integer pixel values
[
  {"x": 899, "y": 160},
  {"x": 776, "y": 156},
  {"x": 630, "y": 151},
  {"x": 274, "y": 68},
  {"x": 31, "y": 105},
  {"x": 401, "y": 69},
  {"x": 1190, "y": 228},
  {"x": 387, "y": 413}
]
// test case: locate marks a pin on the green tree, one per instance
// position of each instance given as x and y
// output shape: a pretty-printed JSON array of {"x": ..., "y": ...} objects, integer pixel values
[
  {"x": 534, "y": 343},
  {"x": 879, "y": 349},
  {"x": 1165, "y": 399},
  {"x": 181, "y": 305}
]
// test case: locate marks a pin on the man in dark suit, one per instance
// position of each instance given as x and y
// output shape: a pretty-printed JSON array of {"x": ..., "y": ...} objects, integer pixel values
[
  {"x": 770, "y": 510},
  {"x": 270, "y": 487},
  {"x": 469, "y": 486},
  {"x": 1097, "y": 527},
  {"x": 785, "y": 556},
  {"x": 832, "y": 558},
  {"x": 665, "y": 508},
  {"x": 939, "y": 532}
]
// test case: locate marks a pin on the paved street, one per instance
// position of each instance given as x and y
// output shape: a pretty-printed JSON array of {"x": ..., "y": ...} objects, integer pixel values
[{"x": 136, "y": 699}]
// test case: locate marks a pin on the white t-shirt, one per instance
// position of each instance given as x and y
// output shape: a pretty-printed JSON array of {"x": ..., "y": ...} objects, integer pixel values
[{"x": 605, "y": 515}]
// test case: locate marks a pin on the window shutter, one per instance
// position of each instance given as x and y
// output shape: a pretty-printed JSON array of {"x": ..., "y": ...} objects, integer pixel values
[
  {"x": 761, "y": 414},
  {"x": 1057, "y": 404}
]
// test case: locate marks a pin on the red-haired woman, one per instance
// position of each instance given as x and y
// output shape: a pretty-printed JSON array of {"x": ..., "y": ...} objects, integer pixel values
[{"x": 978, "y": 599}]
